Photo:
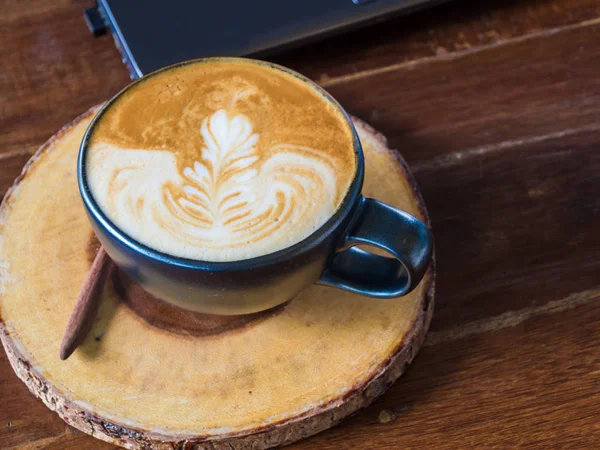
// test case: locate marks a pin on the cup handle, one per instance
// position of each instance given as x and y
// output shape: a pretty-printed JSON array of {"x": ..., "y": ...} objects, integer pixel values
[{"x": 398, "y": 233}]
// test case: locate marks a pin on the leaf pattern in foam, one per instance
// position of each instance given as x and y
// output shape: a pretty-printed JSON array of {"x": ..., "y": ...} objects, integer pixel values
[
  {"x": 231, "y": 199},
  {"x": 218, "y": 187}
]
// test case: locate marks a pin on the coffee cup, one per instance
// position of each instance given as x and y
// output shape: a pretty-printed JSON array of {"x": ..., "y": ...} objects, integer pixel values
[{"x": 229, "y": 185}]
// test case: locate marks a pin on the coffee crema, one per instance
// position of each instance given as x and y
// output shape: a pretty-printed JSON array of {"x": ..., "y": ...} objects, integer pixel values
[{"x": 220, "y": 160}]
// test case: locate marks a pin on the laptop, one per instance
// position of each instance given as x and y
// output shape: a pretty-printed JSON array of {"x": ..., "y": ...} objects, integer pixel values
[{"x": 151, "y": 34}]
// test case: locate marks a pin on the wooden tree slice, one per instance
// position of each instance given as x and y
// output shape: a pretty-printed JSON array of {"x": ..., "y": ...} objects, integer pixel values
[{"x": 253, "y": 382}]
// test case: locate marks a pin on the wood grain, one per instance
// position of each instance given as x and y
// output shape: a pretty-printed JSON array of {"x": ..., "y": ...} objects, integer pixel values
[
  {"x": 522, "y": 89},
  {"x": 451, "y": 28},
  {"x": 23, "y": 418},
  {"x": 54, "y": 70},
  {"x": 534, "y": 385},
  {"x": 515, "y": 228},
  {"x": 496, "y": 105},
  {"x": 70, "y": 440}
]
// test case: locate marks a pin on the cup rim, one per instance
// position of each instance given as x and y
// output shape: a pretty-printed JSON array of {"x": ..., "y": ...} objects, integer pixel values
[{"x": 306, "y": 244}]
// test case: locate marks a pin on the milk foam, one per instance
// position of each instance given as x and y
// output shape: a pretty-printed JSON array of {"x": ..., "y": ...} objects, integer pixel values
[{"x": 227, "y": 201}]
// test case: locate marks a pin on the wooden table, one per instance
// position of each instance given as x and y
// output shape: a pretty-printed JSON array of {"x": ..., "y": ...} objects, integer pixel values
[{"x": 496, "y": 105}]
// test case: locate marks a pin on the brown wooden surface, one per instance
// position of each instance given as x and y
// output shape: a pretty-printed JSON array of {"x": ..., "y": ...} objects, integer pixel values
[{"x": 496, "y": 104}]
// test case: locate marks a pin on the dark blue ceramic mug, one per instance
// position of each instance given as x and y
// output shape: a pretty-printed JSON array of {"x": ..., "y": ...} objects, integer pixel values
[{"x": 329, "y": 256}]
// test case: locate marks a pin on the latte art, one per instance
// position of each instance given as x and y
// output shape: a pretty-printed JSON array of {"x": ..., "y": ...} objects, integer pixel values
[
  {"x": 225, "y": 203},
  {"x": 233, "y": 196}
]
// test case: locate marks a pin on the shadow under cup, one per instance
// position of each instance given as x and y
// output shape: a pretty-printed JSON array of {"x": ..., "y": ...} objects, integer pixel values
[{"x": 328, "y": 256}]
